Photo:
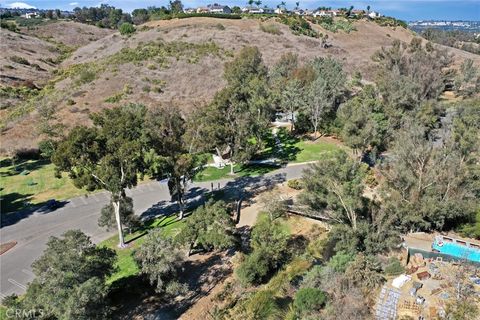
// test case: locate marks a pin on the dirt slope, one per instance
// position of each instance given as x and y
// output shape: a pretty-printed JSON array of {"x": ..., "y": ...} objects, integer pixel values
[
  {"x": 186, "y": 74},
  {"x": 25, "y": 58},
  {"x": 71, "y": 34}
]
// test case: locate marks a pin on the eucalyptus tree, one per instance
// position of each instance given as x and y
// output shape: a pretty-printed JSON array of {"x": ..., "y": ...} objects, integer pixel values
[
  {"x": 237, "y": 119},
  {"x": 70, "y": 280},
  {"x": 428, "y": 184},
  {"x": 167, "y": 155},
  {"x": 363, "y": 122},
  {"x": 107, "y": 155},
  {"x": 334, "y": 187},
  {"x": 324, "y": 90}
]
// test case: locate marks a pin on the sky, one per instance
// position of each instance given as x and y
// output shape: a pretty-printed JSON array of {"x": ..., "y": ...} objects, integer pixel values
[{"x": 408, "y": 10}]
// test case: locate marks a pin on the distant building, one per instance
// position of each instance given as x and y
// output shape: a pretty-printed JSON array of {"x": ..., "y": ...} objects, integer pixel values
[
  {"x": 374, "y": 15},
  {"x": 280, "y": 11},
  {"x": 203, "y": 10},
  {"x": 217, "y": 8},
  {"x": 299, "y": 12},
  {"x": 323, "y": 13},
  {"x": 30, "y": 15},
  {"x": 253, "y": 10},
  {"x": 190, "y": 10}
]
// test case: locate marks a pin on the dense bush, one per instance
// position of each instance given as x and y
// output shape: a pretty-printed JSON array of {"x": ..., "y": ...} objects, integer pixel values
[
  {"x": 295, "y": 184},
  {"x": 270, "y": 28},
  {"x": 192, "y": 15},
  {"x": 308, "y": 300},
  {"x": 299, "y": 26},
  {"x": 126, "y": 28},
  {"x": 269, "y": 242},
  {"x": 390, "y": 22},
  {"x": 8, "y": 25},
  {"x": 394, "y": 267},
  {"x": 20, "y": 60},
  {"x": 334, "y": 25},
  {"x": 253, "y": 269}
]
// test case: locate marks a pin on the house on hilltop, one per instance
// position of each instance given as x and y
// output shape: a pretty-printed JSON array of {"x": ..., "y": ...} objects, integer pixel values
[{"x": 218, "y": 8}]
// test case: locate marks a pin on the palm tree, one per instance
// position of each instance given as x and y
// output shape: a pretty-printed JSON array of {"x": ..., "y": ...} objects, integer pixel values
[
  {"x": 297, "y": 5},
  {"x": 250, "y": 2},
  {"x": 258, "y": 3},
  {"x": 368, "y": 9}
]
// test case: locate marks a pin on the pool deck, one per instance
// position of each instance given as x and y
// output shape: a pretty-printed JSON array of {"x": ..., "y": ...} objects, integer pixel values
[{"x": 423, "y": 241}]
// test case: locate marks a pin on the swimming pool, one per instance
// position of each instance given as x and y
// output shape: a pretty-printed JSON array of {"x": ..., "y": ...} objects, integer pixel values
[{"x": 458, "y": 250}]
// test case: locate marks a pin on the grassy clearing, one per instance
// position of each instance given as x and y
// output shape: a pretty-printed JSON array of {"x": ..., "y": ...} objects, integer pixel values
[
  {"x": 125, "y": 264},
  {"x": 292, "y": 150},
  {"x": 313, "y": 151},
  {"x": 212, "y": 173},
  {"x": 32, "y": 182}
]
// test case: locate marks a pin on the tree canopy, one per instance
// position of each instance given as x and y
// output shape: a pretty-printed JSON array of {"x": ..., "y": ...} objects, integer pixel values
[{"x": 70, "y": 279}]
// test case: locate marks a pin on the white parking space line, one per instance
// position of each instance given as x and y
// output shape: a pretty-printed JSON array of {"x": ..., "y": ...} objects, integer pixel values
[
  {"x": 83, "y": 200},
  {"x": 18, "y": 284},
  {"x": 2, "y": 296}
]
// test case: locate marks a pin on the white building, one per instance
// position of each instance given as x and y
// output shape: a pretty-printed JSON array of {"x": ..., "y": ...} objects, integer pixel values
[
  {"x": 374, "y": 15},
  {"x": 323, "y": 13},
  {"x": 253, "y": 10},
  {"x": 30, "y": 15}
]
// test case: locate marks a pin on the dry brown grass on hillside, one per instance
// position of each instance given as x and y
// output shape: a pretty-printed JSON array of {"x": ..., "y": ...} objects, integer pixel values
[
  {"x": 25, "y": 58},
  {"x": 185, "y": 83},
  {"x": 72, "y": 34}
]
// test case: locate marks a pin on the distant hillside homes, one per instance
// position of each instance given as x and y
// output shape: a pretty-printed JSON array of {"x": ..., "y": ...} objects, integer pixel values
[
  {"x": 473, "y": 26},
  {"x": 320, "y": 12}
]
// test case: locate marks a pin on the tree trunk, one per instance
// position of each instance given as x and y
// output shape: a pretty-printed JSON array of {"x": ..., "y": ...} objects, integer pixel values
[
  {"x": 180, "y": 207},
  {"x": 292, "y": 127},
  {"x": 116, "y": 206},
  {"x": 232, "y": 172}
]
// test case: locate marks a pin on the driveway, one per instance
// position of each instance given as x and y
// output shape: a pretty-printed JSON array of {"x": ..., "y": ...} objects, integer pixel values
[{"x": 150, "y": 199}]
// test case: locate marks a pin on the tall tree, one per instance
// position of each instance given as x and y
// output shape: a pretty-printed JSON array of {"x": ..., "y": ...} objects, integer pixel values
[
  {"x": 324, "y": 90},
  {"x": 176, "y": 6},
  {"x": 70, "y": 279},
  {"x": 161, "y": 261},
  {"x": 334, "y": 187},
  {"x": 408, "y": 75},
  {"x": 168, "y": 156},
  {"x": 286, "y": 89},
  {"x": 238, "y": 118},
  {"x": 106, "y": 156},
  {"x": 209, "y": 227},
  {"x": 426, "y": 183},
  {"x": 363, "y": 122}
]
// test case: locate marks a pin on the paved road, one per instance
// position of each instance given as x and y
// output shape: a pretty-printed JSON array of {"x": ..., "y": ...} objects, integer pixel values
[{"x": 32, "y": 230}]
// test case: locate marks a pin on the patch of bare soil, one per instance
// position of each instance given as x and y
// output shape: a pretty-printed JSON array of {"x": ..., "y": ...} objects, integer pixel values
[
  {"x": 204, "y": 274},
  {"x": 71, "y": 34},
  {"x": 4, "y": 247}
]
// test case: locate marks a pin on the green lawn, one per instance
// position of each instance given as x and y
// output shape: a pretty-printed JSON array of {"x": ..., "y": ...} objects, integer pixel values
[
  {"x": 293, "y": 150},
  {"x": 32, "y": 181},
  {"x": 313, "y": 150},
  {"x": 126, "y": 265},
  {"x": 212, "y": 173}
]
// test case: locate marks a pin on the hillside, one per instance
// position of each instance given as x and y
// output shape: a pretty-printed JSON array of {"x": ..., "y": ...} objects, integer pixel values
[
  {"x": 69, "y": 33},
  {"x": 169, "y": 61}
]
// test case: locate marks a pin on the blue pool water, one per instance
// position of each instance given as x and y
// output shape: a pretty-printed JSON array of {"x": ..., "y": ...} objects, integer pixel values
[{"x": 458, "y": 251}]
